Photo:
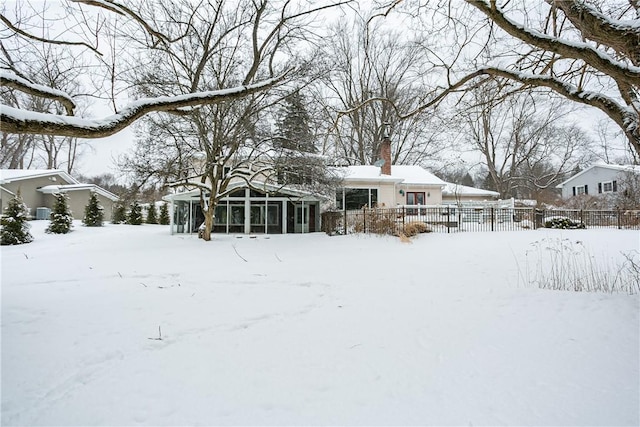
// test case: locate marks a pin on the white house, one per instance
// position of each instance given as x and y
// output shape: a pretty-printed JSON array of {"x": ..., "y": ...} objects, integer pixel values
[
  {"x": 389, "y": 185},
  {"x": 598, "y": 179}
]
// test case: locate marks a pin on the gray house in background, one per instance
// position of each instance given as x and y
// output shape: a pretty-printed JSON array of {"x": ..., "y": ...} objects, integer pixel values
[
  {"x": 598, "y": 179},
  {"x": 37, "y": 188}
]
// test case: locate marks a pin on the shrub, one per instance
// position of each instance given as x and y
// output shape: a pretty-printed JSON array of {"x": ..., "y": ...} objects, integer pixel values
[
  {"x": 61, "y": 218},
  {"x": 563, "y": 223},
  {"x": 15, "y": 229},
  {"x": 93, "y": 212},
  {"x": 566, "y": 265},
  {"x": 416, "y": 227}
]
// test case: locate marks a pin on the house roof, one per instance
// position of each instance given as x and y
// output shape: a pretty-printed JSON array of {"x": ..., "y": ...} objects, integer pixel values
[
  {"x": 620, "y": 168},
  {"x": 464, "y": 190},
  {"x": 51, "y": 189},
  {"x": 415, "y": 175},
  {"x": 11, "y": 175},
  {"x": 186, "y": 195}
]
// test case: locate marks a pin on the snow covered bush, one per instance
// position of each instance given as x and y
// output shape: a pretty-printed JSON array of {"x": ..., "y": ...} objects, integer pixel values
[
  {"x": 119, "y": 214},
  {"x": 568, "y": 265},
  {"x": 15, "y": 229},
  {"x": 135, "y": 214},
  {"x": 93, "y": 212},
  {"x": 164, "y": 214},
  {"x": 61, "y": 218},
  {"x": 152, "y": 216},
  {"x": 563, "y": 223}
]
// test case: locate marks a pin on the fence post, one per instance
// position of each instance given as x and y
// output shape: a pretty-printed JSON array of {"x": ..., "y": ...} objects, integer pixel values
[
  {"x": 581, "y": 216},
  {"x": 448, "y": 220},
  {"x": 403, "y": 217},
  {"x": 493, "y": 218},
  {"x": 619, "y": 219},
  {"x": 344, "y": 222}
]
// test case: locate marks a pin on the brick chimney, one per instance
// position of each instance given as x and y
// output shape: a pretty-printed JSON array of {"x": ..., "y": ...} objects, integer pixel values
[{"x": 385, "y": 154}]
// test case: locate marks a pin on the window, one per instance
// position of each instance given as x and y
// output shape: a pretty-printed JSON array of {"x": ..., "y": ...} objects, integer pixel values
[
  {"x": 220, "y": 215},
  {"x": 356, "y": 198},
  {"x": 581, "y": 190},
  {"x": 258, "y": 214},
  {"x": 608, "y": 187}
]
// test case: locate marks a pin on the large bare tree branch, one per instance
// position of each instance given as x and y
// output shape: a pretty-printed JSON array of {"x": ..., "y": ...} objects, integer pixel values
[
  {"x": 19, "y": 121},
  {"x": 595, "y": 58},
  {"x": 619, "y": 35}
]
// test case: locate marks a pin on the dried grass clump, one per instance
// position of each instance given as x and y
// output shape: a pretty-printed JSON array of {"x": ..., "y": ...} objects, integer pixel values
[{"x": 416, "y": 227}]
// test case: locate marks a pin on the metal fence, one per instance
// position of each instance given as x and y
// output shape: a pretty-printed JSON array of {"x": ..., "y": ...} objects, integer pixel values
[{"x": 452, "y": 219}]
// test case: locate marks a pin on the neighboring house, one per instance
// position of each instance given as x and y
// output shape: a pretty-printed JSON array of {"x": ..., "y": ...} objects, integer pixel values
[
  {"x": 276, "y": 210},
  {"x": 598, "y": 179},
  {"x": 37, "y": 188}
]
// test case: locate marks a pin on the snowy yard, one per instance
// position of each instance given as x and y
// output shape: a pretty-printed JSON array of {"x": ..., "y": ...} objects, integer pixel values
[{"x": 310, "y": 329}]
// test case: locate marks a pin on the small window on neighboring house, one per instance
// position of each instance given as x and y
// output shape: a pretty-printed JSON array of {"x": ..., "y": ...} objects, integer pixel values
[
  {"x": 582, "y": 189},
  {"x": 607, "y": 187}
]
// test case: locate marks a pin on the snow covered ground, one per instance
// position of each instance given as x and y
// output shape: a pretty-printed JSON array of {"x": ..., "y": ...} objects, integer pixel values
[{"x": 310, "y": 330}]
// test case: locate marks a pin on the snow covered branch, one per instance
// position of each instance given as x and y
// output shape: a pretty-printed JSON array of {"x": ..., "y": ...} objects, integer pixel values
[
  {"x": 626, "y": 117},
  {"x": 621, "y": 36},
  {"x": 15, "y": 82},
  {"x": 18, "y": 121},
  {"x": 597, "y": 59}
]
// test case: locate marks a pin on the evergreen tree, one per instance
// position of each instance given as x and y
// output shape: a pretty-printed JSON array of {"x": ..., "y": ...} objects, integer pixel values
[
  {"x": 15, "y": 229},
  {"x": 135, "y": 214},
  {"x": 164, "y": 214},
  {"x": 119, "y": 214},
  {"x": 152, "y": 216},
  {"x": 93, "y": 212},
  {"x": 294, "y": 132},
  {"x": 467, "y": 180},
  {"x": 61, "y": 218}
]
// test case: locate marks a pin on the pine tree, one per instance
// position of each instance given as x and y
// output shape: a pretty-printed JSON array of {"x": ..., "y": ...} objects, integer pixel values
[
  {"x": 15, "y": 229},
  {"x": 61, "y": 218},
  {"x": 152, "y": 216},
  {"x": 93, "y": 212},
  {"x": 135, "y": 214},
  {"x": 119, "y": 214},
  {"x": 294, "y": 132},
  {"x": 164, "y": 214}
]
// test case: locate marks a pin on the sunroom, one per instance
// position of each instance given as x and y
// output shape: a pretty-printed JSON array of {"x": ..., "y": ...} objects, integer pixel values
[{"x": 247, "y": 210}]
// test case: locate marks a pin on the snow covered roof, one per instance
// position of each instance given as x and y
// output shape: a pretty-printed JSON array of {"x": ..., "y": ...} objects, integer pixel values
[
  {"x": 10, "y": 175},
  {"x": 620, "y": 168},
  {"x": 464, "y": 190},
  {"x": 415, "y": 175},
  {"x": 195, "y": 193},
  {"x": 52, "y": 189}
]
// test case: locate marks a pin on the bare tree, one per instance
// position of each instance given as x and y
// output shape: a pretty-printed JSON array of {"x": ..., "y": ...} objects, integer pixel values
[
  {"x": 526, "y": 147},
  {"x": 259, "y": 27},
  {"x": 367, "y": 60},
  {"x": 586, "y": 51},
  {"x": 223, "y": 45}
]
